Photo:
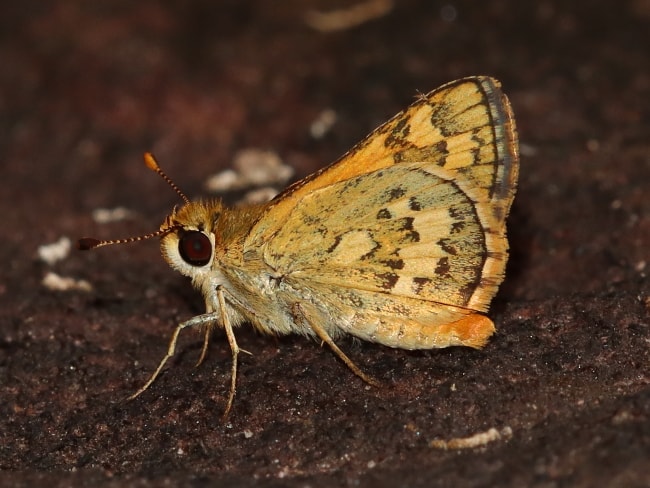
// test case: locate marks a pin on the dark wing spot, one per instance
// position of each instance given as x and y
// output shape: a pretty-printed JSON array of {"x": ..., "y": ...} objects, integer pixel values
[
  {"x": 476, "y": 138},
  {"x": 394, "y": 263},
  {"x": 440, "y": 118},
  {"x": 445, "y": 246},
  {"x": 398, "y": 134},
  {"x": 440, "y": 149},
  {"x": 420, "y": 283},
  {"x": 388, "y": 280},
  {"x": 443, "y": 267},
  {"x": 402, "y": 128},
  {"x": 337, "y": 241},
  {"x": 467, "y": 290},
  {"x": 414, "y": 204},
  {"x": 410, "y": 233},
  {"x": 457, "y": 227},
  {"x": 384, "y": 213},
  {"x": 350, "y": 184},
  {"x": 395, "y": 193}
]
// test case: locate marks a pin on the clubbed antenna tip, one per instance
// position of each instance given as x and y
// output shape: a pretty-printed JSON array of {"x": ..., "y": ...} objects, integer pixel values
[
  {"x": 87, "y": 243},
  {"x": 151, "y": 163}
]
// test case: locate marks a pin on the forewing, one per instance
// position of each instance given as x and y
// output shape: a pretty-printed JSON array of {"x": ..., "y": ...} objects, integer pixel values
[{"x": 417, "y": 209}]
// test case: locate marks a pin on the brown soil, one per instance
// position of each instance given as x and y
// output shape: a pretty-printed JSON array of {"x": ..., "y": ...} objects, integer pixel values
[{"x": 87, "y": 87}]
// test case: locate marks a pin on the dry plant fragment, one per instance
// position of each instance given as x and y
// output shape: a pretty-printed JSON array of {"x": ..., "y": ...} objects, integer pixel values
[
  {"x": 343, "y": 19},
  {"x": 476, "y": 440}
]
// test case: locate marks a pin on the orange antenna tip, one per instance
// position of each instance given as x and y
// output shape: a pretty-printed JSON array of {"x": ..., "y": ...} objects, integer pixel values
[
  {"x": 87, "y": 243},
  {"x": 150, "y": 161}
]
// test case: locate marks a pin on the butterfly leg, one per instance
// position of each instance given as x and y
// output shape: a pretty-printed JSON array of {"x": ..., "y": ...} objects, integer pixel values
[
  {"x": 312, "y": 320},
  {"x": 204, "y": 349},
  {"x": 234, "y": 348},
  {"x": 199, "y": 320}
]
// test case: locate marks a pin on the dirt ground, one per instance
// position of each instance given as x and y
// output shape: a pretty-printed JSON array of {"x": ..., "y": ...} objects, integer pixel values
[{"x": 87, "y": 87}]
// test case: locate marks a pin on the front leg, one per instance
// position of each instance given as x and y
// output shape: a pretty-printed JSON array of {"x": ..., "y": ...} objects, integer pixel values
[
  {"x": 200, "y": 320},
  {"x": 234, "y": 348}
]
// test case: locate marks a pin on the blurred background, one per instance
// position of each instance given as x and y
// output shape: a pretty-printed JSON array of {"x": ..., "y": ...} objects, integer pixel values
[{"x": 87, "y": 87}]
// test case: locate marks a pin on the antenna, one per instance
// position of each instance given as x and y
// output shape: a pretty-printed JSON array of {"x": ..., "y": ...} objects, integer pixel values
[
  {"x": 151, "y": 163},
  {"x": 87, "y": 243}
]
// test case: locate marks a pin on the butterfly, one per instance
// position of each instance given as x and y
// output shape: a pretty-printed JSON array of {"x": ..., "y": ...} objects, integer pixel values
[{"x": 401, "y": 242}]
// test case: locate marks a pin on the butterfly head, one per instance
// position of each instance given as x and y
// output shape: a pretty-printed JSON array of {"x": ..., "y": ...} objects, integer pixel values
[
  {"x": 188, "y": 237},
  {"x": 187, "y": 234}
]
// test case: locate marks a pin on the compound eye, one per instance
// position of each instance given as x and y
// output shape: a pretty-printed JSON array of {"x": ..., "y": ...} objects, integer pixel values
[{"x": 195, "y": 248}]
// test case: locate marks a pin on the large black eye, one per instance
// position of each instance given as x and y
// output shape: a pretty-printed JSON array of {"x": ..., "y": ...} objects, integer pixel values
[{"x": 195, "y": 248}]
